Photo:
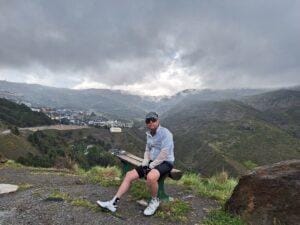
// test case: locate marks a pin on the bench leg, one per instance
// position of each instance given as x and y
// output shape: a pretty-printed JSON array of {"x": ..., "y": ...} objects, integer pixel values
[{"x": 161, "y": 191}]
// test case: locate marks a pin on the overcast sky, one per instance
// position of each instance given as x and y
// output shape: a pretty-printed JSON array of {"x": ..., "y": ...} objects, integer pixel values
[{"x": 151, "y": 47}]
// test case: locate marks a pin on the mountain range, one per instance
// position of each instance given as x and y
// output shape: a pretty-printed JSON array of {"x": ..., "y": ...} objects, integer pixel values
[
  {"x": 214, "y": 130},
  {"x": 228, "y": 135},
  {"x": 112, "y": 103}
]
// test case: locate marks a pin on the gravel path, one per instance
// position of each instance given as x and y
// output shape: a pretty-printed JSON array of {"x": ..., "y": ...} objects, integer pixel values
[{"x": 30, "y": 204}]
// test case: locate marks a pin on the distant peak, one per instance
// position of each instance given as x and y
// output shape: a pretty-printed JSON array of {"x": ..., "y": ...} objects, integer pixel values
[{"x": 189, "y": 90}]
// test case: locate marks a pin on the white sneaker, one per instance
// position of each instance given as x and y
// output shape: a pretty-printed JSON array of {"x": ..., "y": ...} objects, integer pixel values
[
  {"x": 107, "y": 205},
  {"x": 153, "y": 205}
]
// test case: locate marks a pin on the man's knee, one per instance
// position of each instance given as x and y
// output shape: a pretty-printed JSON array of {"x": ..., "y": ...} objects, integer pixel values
[
  {"x": 153, "y": 176},
  {"x": 131, "y": 175}
]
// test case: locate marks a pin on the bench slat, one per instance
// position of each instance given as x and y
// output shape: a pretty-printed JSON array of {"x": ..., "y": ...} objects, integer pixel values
[
  {"x": 132, "y": 161},
  {"x": 134, "y": 157}
]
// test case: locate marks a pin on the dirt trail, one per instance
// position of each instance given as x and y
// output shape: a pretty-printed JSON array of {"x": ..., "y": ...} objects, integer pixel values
[{"x": 31, "y": 206}]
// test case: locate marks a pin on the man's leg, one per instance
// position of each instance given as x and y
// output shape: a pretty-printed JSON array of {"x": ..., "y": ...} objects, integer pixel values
[
  {"x": 129, "y": 177},
  {"x": 112, "y": 204},
  {"x": 152, "y": 182}
]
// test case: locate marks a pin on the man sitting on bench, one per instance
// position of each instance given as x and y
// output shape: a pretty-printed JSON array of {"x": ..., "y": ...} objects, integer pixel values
[{"x": 158, "y": 161}]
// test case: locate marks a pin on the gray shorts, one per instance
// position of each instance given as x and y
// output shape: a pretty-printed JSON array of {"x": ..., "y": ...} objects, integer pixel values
[{"x": 164, "y": 168}]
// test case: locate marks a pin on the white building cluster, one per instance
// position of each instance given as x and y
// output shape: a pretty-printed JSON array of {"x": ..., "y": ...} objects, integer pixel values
[
  {"x": 110, "y": 123},
  {"x": 66, "y": 116}
]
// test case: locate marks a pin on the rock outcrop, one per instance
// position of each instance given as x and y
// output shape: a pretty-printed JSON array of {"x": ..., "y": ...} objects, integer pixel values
[{"x": 270, "y": 195}]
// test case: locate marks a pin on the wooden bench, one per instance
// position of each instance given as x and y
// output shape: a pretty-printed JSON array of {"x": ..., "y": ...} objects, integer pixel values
[{"x": 130, "y": 161}]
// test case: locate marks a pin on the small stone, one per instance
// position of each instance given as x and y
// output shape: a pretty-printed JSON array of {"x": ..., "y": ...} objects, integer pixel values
[
  {"x": 8, "y": 188},
  {"x": 206, "y": 210},
  {"x": 79, "y": 182},
  {"x": 188, "y": 196},
  {"x": 142, "y": 202}
]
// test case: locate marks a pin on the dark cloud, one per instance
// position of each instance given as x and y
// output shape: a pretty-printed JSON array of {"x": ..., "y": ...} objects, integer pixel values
[{"x": 226, "y": 44}]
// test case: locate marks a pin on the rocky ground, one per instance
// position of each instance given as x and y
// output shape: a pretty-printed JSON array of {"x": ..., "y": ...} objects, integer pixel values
[{"x": 31, "y": 203}]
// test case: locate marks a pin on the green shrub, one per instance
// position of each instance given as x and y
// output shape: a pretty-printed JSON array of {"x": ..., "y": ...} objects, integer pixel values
[
  {"x": 36, "y": 160},
  {"x": 139, "y": 190},
  {"x": 13, "y": 164},
  {"x": 250, "y": 165},
  {"x": 24, "y": 186},
  {"x": 57, "y": 195},
  {"x": 174, "y": 210},
  {"x": 106, "y": 176},
  {"x": 98, "y": 156},
  {"x": 83, "y": 203},
  {"x": 219, "y": 217},
  {"x": 15, "y": 130},
  {"x": 210, "y": 187}
]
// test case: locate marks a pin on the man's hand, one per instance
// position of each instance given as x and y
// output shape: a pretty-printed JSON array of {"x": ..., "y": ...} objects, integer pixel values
[
  {"x": 151, "y": 165},
  {"x": 145, "y": 162},
  {"x": 146, "y": 171}
]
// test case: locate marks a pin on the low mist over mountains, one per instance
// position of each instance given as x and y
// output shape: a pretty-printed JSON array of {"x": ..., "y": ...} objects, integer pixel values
[
  {"x": 117, "y": 104},
  {"x": 214, "y": 130}
]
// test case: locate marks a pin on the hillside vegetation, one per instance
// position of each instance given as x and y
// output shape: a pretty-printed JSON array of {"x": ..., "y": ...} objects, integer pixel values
[
  {"x": 227, "y": 135},
  {"x": 2, "y": 126},
  {"x": 280, "y": 99},
  {"x": 281, "y": 108},
  {"x": 13, "y": 147},
  {"x": 85, "y": 148},
  {"x": 13, "y": 114}
]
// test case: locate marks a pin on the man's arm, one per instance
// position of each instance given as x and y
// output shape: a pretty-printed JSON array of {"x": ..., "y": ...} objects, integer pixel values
[
  {"x": 163, "y": 155},
  {"x": 146, "y": 157}
]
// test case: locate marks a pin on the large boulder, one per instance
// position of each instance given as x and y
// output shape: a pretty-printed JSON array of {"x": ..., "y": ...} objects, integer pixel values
[{"x": 269, "y": 195}]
